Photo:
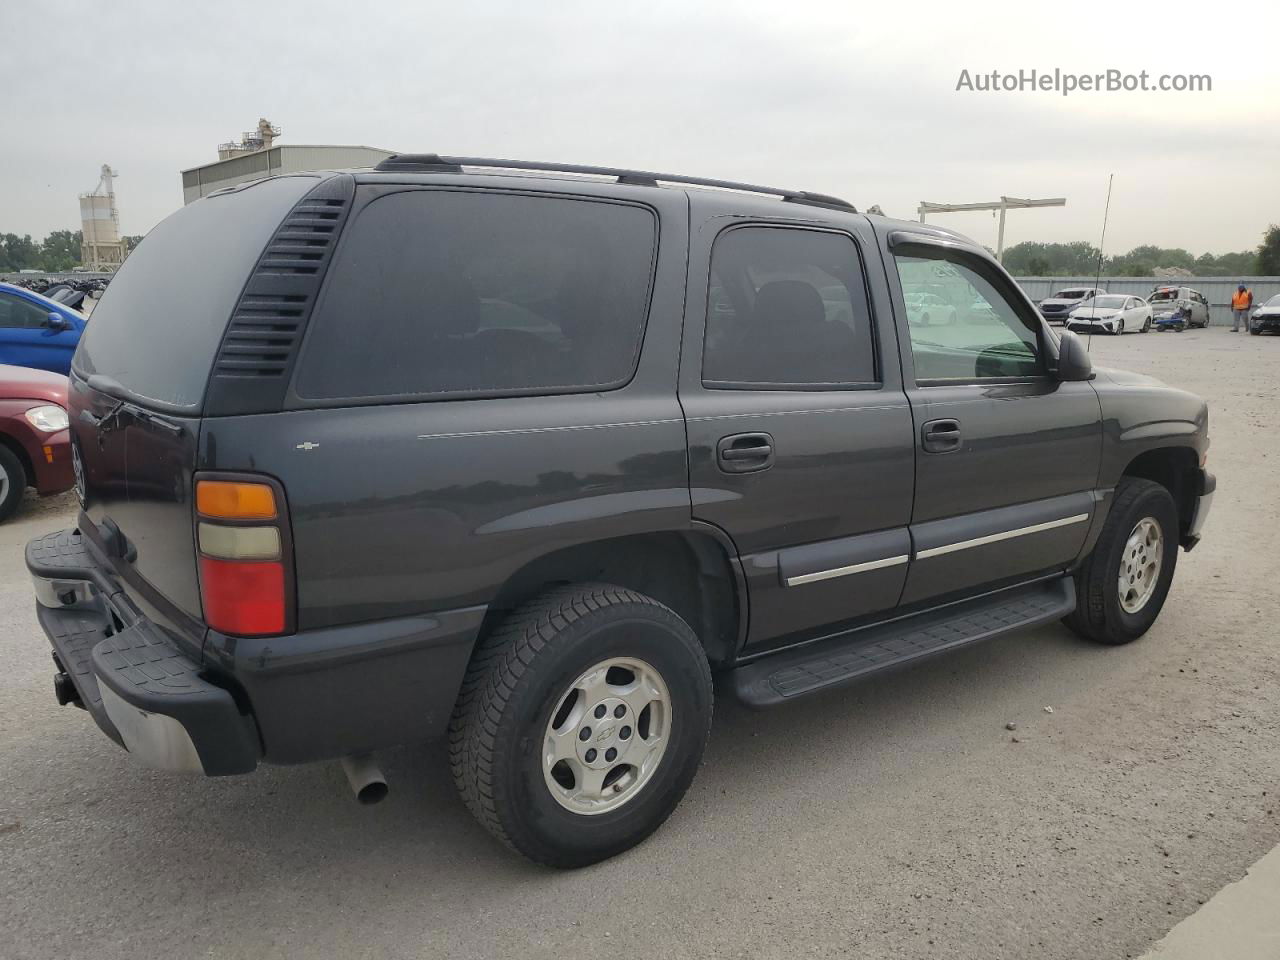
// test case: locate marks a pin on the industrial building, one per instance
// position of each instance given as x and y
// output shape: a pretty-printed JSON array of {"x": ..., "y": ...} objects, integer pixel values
[
  {"x": 101, "y": 247},
  {"x": 256, "y": 156}
]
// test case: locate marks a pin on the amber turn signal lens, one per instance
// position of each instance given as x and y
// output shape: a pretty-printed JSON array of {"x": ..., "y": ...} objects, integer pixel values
[{"x": 228, "y": 500}]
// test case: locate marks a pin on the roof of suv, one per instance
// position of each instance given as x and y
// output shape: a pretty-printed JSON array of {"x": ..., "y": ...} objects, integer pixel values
[{"x": 739, "y": 198}]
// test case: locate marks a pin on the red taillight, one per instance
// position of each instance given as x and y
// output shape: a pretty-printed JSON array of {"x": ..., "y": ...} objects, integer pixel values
[
  {"x": 244, "y": 582},
  {"x": 243, "y": 598}
]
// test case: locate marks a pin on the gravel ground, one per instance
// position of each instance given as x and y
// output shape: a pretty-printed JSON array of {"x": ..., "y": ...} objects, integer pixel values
[{"x": 900, "y": 819}]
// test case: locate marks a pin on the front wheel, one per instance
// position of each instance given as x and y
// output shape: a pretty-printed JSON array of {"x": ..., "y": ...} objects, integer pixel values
[
  {"x": 581, "y": 723},
  {"x": 1122, "y": 585}
]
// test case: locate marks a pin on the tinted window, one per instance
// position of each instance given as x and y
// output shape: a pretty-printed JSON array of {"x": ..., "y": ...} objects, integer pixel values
[
  {"x": 158, "y": 325},
  {"x": 19, "y": 314},
  {"x": 787, "y": 307},
  {"x": 443, "y": 292},
  {"x": 981, "y": 336}
]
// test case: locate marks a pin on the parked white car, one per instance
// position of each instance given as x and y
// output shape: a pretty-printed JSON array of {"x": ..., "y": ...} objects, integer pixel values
[{"x": 1111, "y": 313}]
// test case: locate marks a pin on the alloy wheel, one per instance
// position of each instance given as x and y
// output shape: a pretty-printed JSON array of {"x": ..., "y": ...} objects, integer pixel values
[
  {"x": 606, "y": 736},
  {"x": 1140, "y": 565}
]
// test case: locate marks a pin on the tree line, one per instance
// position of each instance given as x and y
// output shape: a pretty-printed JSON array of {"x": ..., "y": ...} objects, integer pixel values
[
  {"x": 1078, "y": 259},
  {"x": 60, "y": 251},
  {"x": 56, "y": 253}
]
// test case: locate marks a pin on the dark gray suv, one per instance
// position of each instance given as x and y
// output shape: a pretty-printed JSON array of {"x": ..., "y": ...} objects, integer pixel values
[{"x": 523, "y": 454}]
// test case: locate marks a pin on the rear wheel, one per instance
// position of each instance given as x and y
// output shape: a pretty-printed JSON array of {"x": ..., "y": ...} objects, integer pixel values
[
  {"x": 13, "y": 482},
  {"x": 1146, "y": 325},
  {"x": 1122, "y": 586},
  {"x": 581, "y": 724}
]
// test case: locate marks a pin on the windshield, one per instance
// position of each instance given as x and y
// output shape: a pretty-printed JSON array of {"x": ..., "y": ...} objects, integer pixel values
[
  {"x": 1273, "y": 302},
  {"x": 1108, "y": 303}
]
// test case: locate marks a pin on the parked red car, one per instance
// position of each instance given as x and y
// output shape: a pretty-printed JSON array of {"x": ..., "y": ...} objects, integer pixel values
[{"x": 35, "y": 444}]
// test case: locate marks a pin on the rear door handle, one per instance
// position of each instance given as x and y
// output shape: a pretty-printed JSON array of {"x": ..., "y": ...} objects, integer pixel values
[
  {"x": 940, "y": 436},
  {"x": 745, "y": 452}
]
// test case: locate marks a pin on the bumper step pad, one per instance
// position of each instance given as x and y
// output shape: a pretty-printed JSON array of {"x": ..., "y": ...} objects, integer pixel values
[
  {"x": 140, "y": 688},
  {"x": 74, "y": 634},
  {"x": 862, "y": 653}
]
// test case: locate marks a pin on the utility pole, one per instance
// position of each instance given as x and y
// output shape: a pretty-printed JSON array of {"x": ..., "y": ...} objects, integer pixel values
[{"x": 1004, "y": 205}]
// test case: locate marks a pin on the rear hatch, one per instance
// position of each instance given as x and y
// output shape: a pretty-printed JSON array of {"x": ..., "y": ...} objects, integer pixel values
[{"x": 138, "y": 385}]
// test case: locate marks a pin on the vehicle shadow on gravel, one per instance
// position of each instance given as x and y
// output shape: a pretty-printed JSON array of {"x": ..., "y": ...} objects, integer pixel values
[{"x": 303, "y": 820}]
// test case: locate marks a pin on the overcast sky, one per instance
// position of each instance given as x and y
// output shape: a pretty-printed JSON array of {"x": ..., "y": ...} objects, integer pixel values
[{"x": 857, "y": 100}]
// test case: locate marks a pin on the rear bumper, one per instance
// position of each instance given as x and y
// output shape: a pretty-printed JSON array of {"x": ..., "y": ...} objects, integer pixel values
[
  {"x": 125, "y": 670},
  {"x": 315, "y": 695}
]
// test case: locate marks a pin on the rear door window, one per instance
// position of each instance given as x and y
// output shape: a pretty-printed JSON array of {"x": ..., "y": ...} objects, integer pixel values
[
  {"x": 438, "y": 293},
  {"x": 787, "y": 309}
]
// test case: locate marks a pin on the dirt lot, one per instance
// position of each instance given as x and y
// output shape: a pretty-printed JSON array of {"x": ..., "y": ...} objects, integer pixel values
[{"x": 899, "y": 819}]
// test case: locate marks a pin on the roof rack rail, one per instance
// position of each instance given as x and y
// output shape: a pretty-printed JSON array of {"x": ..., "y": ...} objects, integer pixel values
[{"x": 434, "y": 163}]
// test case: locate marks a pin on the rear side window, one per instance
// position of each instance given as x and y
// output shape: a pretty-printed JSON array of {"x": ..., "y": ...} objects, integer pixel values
[
  {"x": 158, "y": 325},
  {"x": 437, "y": 293},
  {"x": 787, "y": 308}
]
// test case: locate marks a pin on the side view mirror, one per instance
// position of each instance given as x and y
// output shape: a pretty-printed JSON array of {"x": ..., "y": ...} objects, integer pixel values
[
  {"x": 1073, "y": 360},
  {"x": 56, "y": 321}
]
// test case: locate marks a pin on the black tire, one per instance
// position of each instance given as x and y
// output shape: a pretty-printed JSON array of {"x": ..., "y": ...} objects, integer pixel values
[
  {"x": 1120, "y": 328},
  {"x": 1254, "y": 331},
  {"x": 1099, "y": 615},
  {"x": 13, "y": 478},
  {"x": 520, "y": 674},
  {"x": 1146, "y": 325}
]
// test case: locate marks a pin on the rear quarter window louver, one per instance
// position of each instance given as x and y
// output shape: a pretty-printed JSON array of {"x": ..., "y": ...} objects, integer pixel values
[{"x": 257, "y": 352}]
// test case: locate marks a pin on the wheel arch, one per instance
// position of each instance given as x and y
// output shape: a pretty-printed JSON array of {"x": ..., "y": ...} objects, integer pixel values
[
  {"x": 695, "y": 572},
  {"x": 1174, "y": 468}
]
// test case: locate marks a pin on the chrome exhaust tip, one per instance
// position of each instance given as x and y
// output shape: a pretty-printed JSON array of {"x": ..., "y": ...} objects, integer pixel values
[{"x": 366, "y": 779}]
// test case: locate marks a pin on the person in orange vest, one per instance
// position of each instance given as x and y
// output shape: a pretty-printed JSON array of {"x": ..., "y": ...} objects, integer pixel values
[{"x": 1241, "y": 303}]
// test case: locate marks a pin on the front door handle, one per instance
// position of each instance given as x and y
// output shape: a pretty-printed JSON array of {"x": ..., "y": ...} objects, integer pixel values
[
  {"x": 940, "y": 436},
  {"x": 745, "y": 452}
]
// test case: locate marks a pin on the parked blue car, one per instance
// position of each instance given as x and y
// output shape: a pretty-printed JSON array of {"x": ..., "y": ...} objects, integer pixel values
[{"x": 36, "y": 331}]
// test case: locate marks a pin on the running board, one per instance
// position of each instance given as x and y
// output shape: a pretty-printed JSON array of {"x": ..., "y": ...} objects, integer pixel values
[{"x": 870, "y": 650}]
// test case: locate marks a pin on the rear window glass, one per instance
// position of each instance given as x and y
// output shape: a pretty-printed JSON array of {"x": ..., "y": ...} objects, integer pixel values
[
  {"x": 158, "y": 325},
  {"x": 438, "y": 292},
  {"x": 1170, "y": 293}
]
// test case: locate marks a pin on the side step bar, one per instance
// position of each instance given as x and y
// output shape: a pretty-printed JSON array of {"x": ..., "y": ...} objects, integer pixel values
[{"x": 860, "y": 653}]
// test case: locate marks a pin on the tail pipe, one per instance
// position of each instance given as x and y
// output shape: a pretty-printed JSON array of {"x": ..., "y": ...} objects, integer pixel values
[{"x": 366, "y": 779}]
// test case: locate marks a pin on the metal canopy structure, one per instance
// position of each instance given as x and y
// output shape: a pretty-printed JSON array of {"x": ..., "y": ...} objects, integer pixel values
[{"x": 1004, "y": 205}]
